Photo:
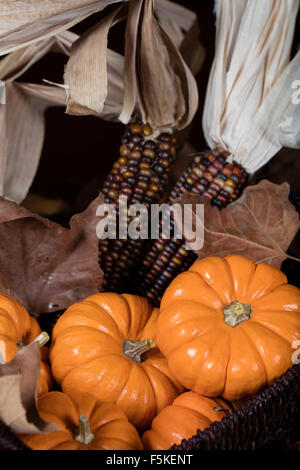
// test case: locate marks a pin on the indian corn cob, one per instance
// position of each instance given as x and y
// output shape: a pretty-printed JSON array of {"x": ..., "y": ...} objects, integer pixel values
[
  {"x": 209, "y": 174},
  {"x": 141, "y": 174}
]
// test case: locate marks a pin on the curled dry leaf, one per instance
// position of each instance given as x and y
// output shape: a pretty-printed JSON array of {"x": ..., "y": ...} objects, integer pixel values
[
  {"x": 48, "y": 267},
  {"x": 261, "y": 224},
  {"x": 18, "y": 392}
]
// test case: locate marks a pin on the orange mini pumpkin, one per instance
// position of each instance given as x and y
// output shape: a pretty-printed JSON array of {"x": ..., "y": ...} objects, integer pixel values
[
  {"x": 85, "y": 423},
  {"x": 104, "y": 345},
  {"x": 227, "y": 326},
  {"x": 17, "y": 329},
  {"x": 181, "y": 420}
]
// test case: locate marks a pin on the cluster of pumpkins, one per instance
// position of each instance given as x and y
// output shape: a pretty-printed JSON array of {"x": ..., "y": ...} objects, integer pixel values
[{"x": 137, "y": 377}]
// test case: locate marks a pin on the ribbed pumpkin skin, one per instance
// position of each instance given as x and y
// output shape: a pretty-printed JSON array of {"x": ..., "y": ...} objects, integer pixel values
[
  {"x": 213, "y": 358},
  {"x": 87, "y": 355},
  {"x": 108, "y": 423},
  {"x": 181, "y": 420},
  {"x": 17, "y": 326}
]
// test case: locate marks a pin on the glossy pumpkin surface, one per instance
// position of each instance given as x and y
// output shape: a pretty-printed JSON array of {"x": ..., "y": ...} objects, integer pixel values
[
  {"x": 87, "y": 355},
  {"x": 106, "y": 426},
  {"x": 17, "y": 329},
  {"x": 227, "y": 326},
  {"x": 181, "y": 420}
]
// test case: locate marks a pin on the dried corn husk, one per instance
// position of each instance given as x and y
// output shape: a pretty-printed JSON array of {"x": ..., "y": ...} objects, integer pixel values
[
  {"x": 94, "y": 79},
  {"x": 24, "y": 22},
  {"x": 249, "y": 109},
  {"x": 181, "y": 25},
  {"x": 157, "y": 81},
  {"x": 22, "y": 123}
]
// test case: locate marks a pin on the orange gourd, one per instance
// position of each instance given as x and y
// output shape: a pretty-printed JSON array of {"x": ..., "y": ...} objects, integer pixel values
[
  {"x": 227, "y": 326},
  {"x": 181, "y": 420},
  {"x": 104, "y": 345},
  {"x": 17, "y": 329},
  {"x": 85, "y": 424}
]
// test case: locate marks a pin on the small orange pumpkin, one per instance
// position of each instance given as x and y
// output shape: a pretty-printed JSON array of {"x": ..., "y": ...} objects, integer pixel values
[
  {"x": 104, "y": 345},
  {"x": 181, "y": 420},
  {"x": 227, "y": 326},
  {"x": 17, "y": 329},
  {"x": 85, "y": 423}
]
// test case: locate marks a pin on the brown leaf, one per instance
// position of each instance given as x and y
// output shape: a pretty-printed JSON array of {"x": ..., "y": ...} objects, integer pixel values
[
  {"x": 46, "y": 266},
  {"x": 18, "y": 392},
  {"x": 261, "y": 224}
]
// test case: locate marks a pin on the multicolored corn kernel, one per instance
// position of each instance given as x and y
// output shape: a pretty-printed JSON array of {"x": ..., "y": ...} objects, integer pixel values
[
  {"x": 141, "y": 174},
  {"x": 210, "y": 174}
]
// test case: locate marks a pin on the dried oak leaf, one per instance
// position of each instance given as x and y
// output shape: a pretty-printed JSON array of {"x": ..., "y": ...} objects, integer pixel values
[
  {"x": 261, "y": 224},
  {"x": 45, "y": 266},
  {"x": 18, "y": 392}
]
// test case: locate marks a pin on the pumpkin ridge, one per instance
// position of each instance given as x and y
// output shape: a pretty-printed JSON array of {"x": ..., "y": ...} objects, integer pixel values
[
  {"x": 146, "y": 377},
  {"x": 241, "y": 257},
  {"x": 72, "y": 326},
  {"x": 126, "y": 380},
  {"x": 104, "y": 312},
  {"x": 4, "y": 315},
  {"x": 98, "y": 307},
  {"x": 271, "y": 330},
  {"x": 227, "y": 365},
  {"x": 267, "y": 381},
  {"x": 244, "y": 330},
  {"x": 141, "y": 328},
  {"x": 99, "y": 429},
  {"x": 209, "y": 286},
  {"x": 152, "y": 386},
  {"x": 190, "y": 340},
  {"x": 203, "y": 361},
  {"x": 229, "y": 273},
  {"x": 84, "y": 364},
  {"x": 272, "y": 327},
  {"x": 190, "y": 410},
  {"x": 86, "y": 327},
  {"x": 128, "y": 314},
  {"x": 58, "y": 446}
]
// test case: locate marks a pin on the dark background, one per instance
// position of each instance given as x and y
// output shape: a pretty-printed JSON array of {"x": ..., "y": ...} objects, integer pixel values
[{"x": 78, "y": 151}]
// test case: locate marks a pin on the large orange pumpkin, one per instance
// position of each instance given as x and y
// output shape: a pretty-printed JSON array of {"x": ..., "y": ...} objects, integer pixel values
[
  {"x": 104, "y": 345},
  {"x": 181, "y": 420},
  {"x": 17, "y": 329},
  {"x": 227, "y": 326},
  {"x": 85, "y": 423}
]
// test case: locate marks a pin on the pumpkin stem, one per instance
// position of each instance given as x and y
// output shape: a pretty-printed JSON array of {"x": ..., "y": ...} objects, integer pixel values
[
  {"x": 85, "y": 436},
  {"x": 236, "y": 313},
  {"x": 42, "y": 339},
  {"x": 135, "y": 349}
]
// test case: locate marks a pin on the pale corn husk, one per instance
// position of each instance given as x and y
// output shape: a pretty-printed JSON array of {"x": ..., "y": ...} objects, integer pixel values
[
  {"x": 249, "y": 109},
  {"x": 86, "y": 71},
  {"x": 181, "y": 25},
  {"x": 157, "y": 82},
  {"x": 22, "y": 125},
  {"x": 23, "y": 22}
]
